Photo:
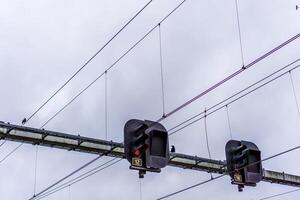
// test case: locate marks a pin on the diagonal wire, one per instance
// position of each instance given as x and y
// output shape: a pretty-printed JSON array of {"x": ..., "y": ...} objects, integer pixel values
[
  {"x": 198, "y": 96},
  {"x": 111, "y": 66},
  {"x": 239, "y": 71},
  {"x": 210, "y": 180},
  {"x": 69, "y": 183},
  {"x": 280, "y": 194},
  {"x": 78, "y": 178},
  {"x": 201, "y": 94},
  {"x": 2, "y": 143},
  {"x": 10, "y": 153},
  {"x": 89, "y": 85},
  {"x": 190, "y": 187},
  {"x": 189, "y": 121},
  {"x": 265, "y": 83},
  {"x": 81, "y": 177},
  {"x": 67, "y": 176},
  {"x": 191, "y": 100},
  {"x": 122, "y": 56},
  {"x": 87, "y": 62}
]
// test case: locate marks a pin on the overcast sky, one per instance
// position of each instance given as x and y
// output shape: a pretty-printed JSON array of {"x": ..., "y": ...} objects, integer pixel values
[{"x": 42, "y": 43}]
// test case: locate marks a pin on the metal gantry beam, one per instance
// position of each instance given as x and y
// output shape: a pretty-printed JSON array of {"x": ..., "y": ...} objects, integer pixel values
[{"x": 96, "y": 146}]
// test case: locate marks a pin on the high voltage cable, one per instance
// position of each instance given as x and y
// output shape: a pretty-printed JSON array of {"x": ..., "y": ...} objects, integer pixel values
[
  {"x": 81, "y": 177},
  {"x": 2, "y": 143},
  {"x": 67, "y": 176},
  {"x": 89, "y": 85},
  {"x": 201, "y": 94},
  {"x": 280, "y": 194},
  {"x": 257, "y": 60},
  {"x": 226, "y": 173},
  {"x": 75, "y": 74},
  {"x": 182, "y": 125},
  {"x": 263, "y": 160},
  {"x": 51, "y": 189},
  {"x": 111, "y": 66},
  {"x": 238, "y": 98},
  {"x": 87, "y": 62},
  {"x": 190, "y": 101},
  {"x": 10, "y": 153},
  {"x": 230, "y": 76},
  {"x": 190, "y": 187},
  {"x": 193, "y": 99}
]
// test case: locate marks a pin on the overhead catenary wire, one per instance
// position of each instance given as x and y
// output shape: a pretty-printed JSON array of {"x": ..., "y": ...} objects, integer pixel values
[
  {"x": 280, "y": 194},
  {"x": 10, "y": 153},
  {"x": 239, "y": 71},
  {"x": 210, "y": 180},
  {"x": 82, "y": 177},
  {"x": 122, "y": 56},
  {"x": 2, "y": 143},
  {"x": 224, "y": 80},
  {"x": 112, "y": 65},
  {"x": 69, "y": 183},
  {"x": 196, "y": 97},
  {"x": 75, "y": 74},
  {"x": 193, "y": 186},
  {"x": 78, "y": 178},
  {"x": 191, "y": 100},
  {"x": 87, "y": 62},
  {"x": 252, "y": 62},
  {"x": 67, "y": 176},
  {"x": 234, "y": 100},
  {"x": 227, "y": 101},
  {"x": 257, "y": 60}
]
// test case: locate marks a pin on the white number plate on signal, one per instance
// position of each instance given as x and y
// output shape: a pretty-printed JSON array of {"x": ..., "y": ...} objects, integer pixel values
[{"x": 137, "y": 162}]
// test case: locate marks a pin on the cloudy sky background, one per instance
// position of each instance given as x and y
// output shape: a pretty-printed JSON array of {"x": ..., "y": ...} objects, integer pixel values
[{"x": 44, "y": 42}]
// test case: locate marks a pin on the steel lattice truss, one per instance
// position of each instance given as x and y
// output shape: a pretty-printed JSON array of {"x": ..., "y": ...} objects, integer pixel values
[{"x": 113, "y": 149}]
